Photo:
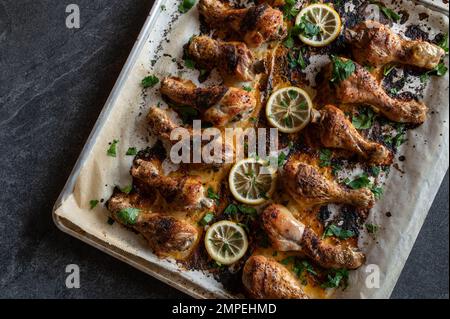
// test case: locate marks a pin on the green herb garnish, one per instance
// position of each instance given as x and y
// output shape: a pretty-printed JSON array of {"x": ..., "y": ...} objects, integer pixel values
[
  {"x": 336, "y": 278},
  {"x": 325, "y": 157},
  {"x": 247, "y": 88},
  {"x": 388, "y": 69},
  {"x": 307, "y": 28},
  {"x": 93, "y": 203},
  {"x": 371, "y": 228},
  {"x": 443, "y": 43},
  {"x": 212, "y": 195},
  {"x": 207, "y": 218},
  {"x": 364, "y": 120},
  {"x": 439, "y": 70},
  {"x": 149, "y": 81},
  {"x": 389, "y": 13},
  {"x": 112, "y": 149},
  {"x": 129, "y": 215},
  {"x": 131, "y": 151},
  {"x": 342, "y": 69},
  {"x": 338, "y": 232},
  {"x": 127, "y": 189},
  {"x": 186, "y": 5},
  {"x": 359, "y": 182}
]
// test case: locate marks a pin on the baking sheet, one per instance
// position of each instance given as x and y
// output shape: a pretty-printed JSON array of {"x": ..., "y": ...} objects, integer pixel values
[{"x": 408, "y": 196}]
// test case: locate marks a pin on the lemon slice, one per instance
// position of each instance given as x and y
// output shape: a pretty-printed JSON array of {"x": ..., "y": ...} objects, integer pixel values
[
  {"x": 289, "y": 109},
  {"x": 252, "y": 181},
  {"x": 325, "y": 18},
  {"x": 226, "y": 242}
]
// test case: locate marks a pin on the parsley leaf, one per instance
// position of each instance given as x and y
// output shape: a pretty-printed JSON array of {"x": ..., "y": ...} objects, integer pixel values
[
  {"x": 231, "y": 210},
  {"x": 127, "y": 189},
  {"x": 190, "y": 64},
  {"x": 289, "y": 9},
  {"x": 307, "y": 28},
  {"x": 389, "y": 13},
  {"x": 377, "y": 191},
  {"x": 93, "y": 203},
  {"x": 342, "y": 69},
  {"x": 359, "y": 182},
  {"x": 212, "y": 195},
  {"x": 186, "y": 5},
  {"x": 372, "y": 228},
  {"x": 247, "y": 88},
  {"x": 281, "y": 159},
  {"x": 336, "y": 231},
  {"x": 443, "y": 43},
  {"x": 439, "y": 70},
  {"x": 149, "y": 81},
  {"x": 131, "y": 151},
  {"x": 112, "y": 149},
  {"x": 325, "y": 157},
  {"x": 364, "y": 120},
  {"x": 128, "y": 215},
  {"x": 207, "y": 218},
  {"x": 336, "y": 278}
]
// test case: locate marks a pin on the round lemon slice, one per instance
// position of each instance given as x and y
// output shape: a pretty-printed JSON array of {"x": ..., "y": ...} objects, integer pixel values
[
  {"x": 252, "y": 181},
  {"x": 226, "y": 242},
  {"x": 321, "y": 23},
  {"x": 289, "y": 109}
]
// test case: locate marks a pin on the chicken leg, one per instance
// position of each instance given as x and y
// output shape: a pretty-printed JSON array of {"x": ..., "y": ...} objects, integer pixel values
[
  {"x": 335, "y": 131},
  {"x": 220, "y": 104},
  {"x": 232, "y": 59},
  {"x": 183, "y": 193},
  {"x": 256, "y": 24},
  {"x": 288, "y": 234},
  {"x": 375, "y": 44},
  {"x": 165, "y": 234},
  {"x": 361, "y": 87},
  {"x": 265, "y": 278},
  {"x": 307, "y": 186}
]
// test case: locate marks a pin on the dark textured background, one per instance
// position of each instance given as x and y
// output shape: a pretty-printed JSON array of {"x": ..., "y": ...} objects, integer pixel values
[{"x": 53, "y": 84}]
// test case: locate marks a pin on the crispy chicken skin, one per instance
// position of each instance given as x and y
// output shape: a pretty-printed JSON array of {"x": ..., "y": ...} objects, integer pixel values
[
  {"x": 184, "y": 193},
  {"x": 288, "y": 234},
  {"x": 375, "y": 44},
  {"x": 161, "y": 125},
  {"x": 336, "y": 131},
  {"x": 307, "y": 186},
  {"x": 266, "y": 278},
  {"x": 165, "y": 234},
  {"x": 255, "y": 25},
  {"x": 219, "y": 104},
  {"x": 232, "y": 59},
  {"x": 361, "y": 87}
]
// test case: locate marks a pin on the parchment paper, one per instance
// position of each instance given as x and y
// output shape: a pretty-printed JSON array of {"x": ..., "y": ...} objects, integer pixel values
[{"x": 408, "y": 196}]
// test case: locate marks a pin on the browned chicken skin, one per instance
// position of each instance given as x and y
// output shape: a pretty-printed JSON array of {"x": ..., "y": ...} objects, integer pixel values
[
  {"x": 336, "y": 131},
  {"x": 375, "y": 44},
  {"x": 184, "y": 193},
  {"x": 288, "y": 234},
  {"x": 256, "y": 24},
  {"x": 161, "y": 125},
  {"x": 266, "y": 278},
  {"x": 232, "y": 59},
  {"x": 165, "y": 234},
  {"x": 308, "y": 187},
  {"x": 361, "y": 87},
  {"x": 219, "y": 104}
]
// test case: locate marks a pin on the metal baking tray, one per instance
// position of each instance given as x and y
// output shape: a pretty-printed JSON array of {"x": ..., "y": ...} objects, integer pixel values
[{"x": 171, "y": 278}]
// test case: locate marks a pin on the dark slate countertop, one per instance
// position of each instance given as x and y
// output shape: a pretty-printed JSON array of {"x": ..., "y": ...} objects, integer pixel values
[{"x": 53, "y": 84}]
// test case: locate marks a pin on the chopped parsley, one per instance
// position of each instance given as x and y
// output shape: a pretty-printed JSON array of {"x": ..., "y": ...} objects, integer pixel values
[
  {"x": 112, "y": 150},
  {"x": 307, "y": 28},
  {"x": 131, "y": 151},
  {"x": 325, "y": 157},
  {"x": 336, "y": 278},
  {"x": 443, "y": 43},
  {"x": 342, "y": 69},
  {"x": 281, "y": 159},
  {"x": 289, "y": 9},
  {"x": 364, "y": 120},
  {"x": 398, "y": 139},
  {"x": 388, "y": 69},
  {"x": 297, "y": 62},
  {"x": 149, "y": 81},
  {"x": 212, "y": 195},
  {"x": 207, "y": 218},
  {"x": 186, "y": 5},
  {"x": 128, "y": 215},
  {"x": 93, "y": 203},
  {"x": 127, "y": 189},
  {"x": 247, "y": 88},
  {"x": 372, "y": 228},
  {"x": 336, "y": 231},
  {"x": 359, "y": 182},
  {"x": 439, "y": 70},
  {"x": 233, "y": 210},
  {"x": 377, "y": 191},
  {"x": 389, "y": 13},
  {"x": 375, "y": 170},
  {"x": 187, "y": 113},
  {"x": 190, "y": 64}
]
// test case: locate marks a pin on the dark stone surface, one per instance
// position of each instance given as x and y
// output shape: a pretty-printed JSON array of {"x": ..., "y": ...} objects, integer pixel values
[{"x": 53, "y": 84}]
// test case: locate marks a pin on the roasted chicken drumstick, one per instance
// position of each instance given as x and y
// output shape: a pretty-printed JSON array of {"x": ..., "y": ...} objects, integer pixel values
[
  {"x": 256, "y": 24},
  {"x": 266, "y": 278},
  {"x": 219, "y": 104},
  {"x": 165, "y": 234},
  {"x": 232, "y": 59},
  {"x": 361, "y": 87},
  {"x": 375, "y": 44},
  {"x": 288, "y": 234},
  {"x": 184, "y": 193},
  {"x": 336, "y": 131},
  {"x": 308, "y": 187}
]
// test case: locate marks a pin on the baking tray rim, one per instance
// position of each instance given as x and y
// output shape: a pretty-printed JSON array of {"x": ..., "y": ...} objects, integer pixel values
[{"x": 69, "y": 228}]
